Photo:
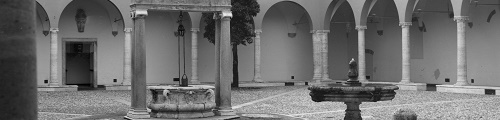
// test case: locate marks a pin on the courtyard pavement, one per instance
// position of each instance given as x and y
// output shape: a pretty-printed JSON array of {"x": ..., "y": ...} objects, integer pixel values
[{"x": 293, "y": 101}]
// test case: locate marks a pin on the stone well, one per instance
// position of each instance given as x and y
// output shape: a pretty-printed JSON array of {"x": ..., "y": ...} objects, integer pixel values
[{"x": 174, "y": 102}]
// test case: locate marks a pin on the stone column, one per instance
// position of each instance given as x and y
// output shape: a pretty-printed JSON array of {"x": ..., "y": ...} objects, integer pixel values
[
  {"x": 324, "y": 53},
  {"x": 352, "y": 112},
  {"x": 461, "y": 51},
  {"x": 54, "y": 50},
  {"x": 217, "y": 60},
  {"x": 18, "y": 90},
  {"x": 194, "y": 56},
  {"x": 223, "y": 86},
  {"x": 127, "y": 57},
  {"x": 317, "y": 76},
  {"x": 257, "y": 77},
  {"x": 138, "y": 104},
  {"x": 361, "y": 54},
  {"x": 405, "y": 26}
]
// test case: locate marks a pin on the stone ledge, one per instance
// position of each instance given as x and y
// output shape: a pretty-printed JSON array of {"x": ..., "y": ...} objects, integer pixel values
[
  {"x": 117, "y": 87},
  {"x": 412, "y": 86},
  {"x": 468, "y": 89},
  {"x": 58, "y": 88}
]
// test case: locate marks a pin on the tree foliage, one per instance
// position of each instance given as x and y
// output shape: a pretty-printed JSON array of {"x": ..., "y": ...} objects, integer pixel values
[
  {"x": 241, "y": 28},
  {"x": 241, "y": 22}
]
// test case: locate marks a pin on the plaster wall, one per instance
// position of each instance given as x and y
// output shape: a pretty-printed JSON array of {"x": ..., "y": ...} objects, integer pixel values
[
  {"x": 162, "y": 47},
  {"x": 482, "y": 47},
  {"x": 342, "y": 47},
  {"x": 386, "y": 60},
  {"x": 42, "y": 54},
  {"x": 283, "y": 56},
  {"x": 439, "y": 54},
  {"x": 206, "y": 57},
  {"x": 109, "y": 47}
]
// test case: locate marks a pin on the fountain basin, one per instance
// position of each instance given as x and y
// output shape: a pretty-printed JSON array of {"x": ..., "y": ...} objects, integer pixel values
[
  {"x": 339, "y": 92},
  {"x": 174, "y": 102}
]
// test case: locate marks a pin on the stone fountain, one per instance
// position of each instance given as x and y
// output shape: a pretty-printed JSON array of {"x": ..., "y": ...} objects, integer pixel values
[{"x": 352, "y": 93}]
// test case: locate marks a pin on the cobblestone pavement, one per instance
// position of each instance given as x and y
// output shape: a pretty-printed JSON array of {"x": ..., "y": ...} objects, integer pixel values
[{"x": 284, "y": 100}]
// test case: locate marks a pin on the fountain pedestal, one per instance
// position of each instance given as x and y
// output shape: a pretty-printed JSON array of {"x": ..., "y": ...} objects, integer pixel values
[
  {"x": 174, "y": 102},
  {"x": 352, "y": 93}
]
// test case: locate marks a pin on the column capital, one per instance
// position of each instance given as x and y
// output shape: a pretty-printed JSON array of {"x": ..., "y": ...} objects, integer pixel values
[
  {"x": 226, "y": 14},
  {"x": 223, "y": 14},
  {"x": 361, "y": 27},
  {"x": 139, "y": 13},
  {"x": 405, "y": 24},
  {"x": 54, "y": 30},
  {"x": 195, "y": 29},
  {"x": 127, "y": 30},
  {"x": 461, "y": 18},
  {"x": 258, "y": 31}
]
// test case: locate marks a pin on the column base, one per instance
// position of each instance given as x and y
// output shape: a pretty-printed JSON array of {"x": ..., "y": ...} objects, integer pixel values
[
  {"x": 126, "y": 83},
  {"x": 461, "y": 83},
  {"x": 118, "y": 87},
  {"x": 257, "y": 80},
  {"x": 229, "y": 112},
  {"x": 363, "y": 80},
  {"x": 326, "y": 79},
  {"x": 137, "y": 114},
  {"x": 58, "y": 88},
  {"x": 194, "y": 81},
  {"x": 405, "y": 82}
]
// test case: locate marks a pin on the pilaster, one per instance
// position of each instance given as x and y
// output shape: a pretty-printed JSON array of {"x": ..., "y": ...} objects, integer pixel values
[
  {"x": 461, "y": 50},
  {"x": 317, "y": 48},
  {"x": 405, "y": 26},
  {"x": 257, "y": 75},
  {"x": 127, "y": 57},
  {"x": 361, "y": 53},
  {"x": 194, "y": 56},
  {"x": 323, "y": 34},
  {"x": 54, "y": 53}
]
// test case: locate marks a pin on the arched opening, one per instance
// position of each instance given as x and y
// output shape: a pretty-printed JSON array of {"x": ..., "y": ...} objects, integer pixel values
[
  {"x": 91, "y": 41},
  {"x": 383, "y": 52},
  {"x": 482, "y": 43},
  {"x": 162, "y": 49},
  {"x": 433, "y": 43},
  {"x": 42, "y": 45},
  {"x": 286, "y": 43},
  {"x": 342, "y": 41}
]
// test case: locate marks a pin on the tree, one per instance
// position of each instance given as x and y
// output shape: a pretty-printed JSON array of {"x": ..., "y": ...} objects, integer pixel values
[{"x": 241, "y": 28}]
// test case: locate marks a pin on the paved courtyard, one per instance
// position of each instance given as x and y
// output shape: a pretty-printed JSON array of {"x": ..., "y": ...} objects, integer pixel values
[{"x": 283, "y": 100}]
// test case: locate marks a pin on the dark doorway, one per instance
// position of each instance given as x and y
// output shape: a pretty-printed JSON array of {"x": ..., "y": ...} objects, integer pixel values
[{"x": 79, "y": 63}]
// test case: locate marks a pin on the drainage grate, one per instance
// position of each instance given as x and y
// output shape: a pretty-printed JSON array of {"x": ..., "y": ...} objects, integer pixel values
[
  {"x": 431, "y": 87},
  {"x": 489, "y": 91},
  {"x": 289, "y": 83}
]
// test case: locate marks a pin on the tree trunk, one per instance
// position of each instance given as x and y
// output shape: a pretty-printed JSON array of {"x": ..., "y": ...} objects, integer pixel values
[{"x": 235, "y": 66}]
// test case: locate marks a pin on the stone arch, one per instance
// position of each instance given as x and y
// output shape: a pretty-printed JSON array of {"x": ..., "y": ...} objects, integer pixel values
[
  {"x": 331, "y": 10},
  {"x": 301, "y": 16},
  {"x": 265, "y": 5},
  {"x": 104, "y": 23},
  {"x": 286, "y": 53},
  {"x": 383, "y": 43},
  {"x": 342, "y": 40},
  {"x": 405, "y": 9},
  {"x": 111, "y": 13},
  {"x": 42, "y": 19}
]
